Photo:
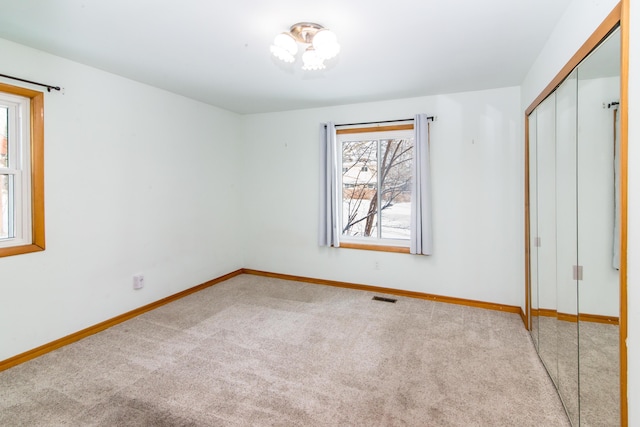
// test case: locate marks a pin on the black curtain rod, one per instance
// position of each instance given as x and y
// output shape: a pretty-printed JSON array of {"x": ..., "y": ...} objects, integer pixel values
[
  {"x": 384, "y": 121},
  {"x": 49, "y": 87}
]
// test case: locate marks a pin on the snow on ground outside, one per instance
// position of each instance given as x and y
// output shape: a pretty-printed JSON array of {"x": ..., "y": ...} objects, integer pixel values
[{"x": 396, "y": 220}]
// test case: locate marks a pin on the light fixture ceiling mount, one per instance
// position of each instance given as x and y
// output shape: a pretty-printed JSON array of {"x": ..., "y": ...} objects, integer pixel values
[
  {"x": 321, "y": 44},
  {"x": 303, "y": 32}
]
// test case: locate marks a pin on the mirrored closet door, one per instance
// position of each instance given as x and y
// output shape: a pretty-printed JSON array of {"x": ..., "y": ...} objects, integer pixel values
[
  {"x": 573, "y": 245},
  {"x": 598, "y": 234}
]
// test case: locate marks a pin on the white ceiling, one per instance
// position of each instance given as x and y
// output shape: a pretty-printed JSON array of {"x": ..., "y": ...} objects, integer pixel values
[{"x": 218, "y": 52}]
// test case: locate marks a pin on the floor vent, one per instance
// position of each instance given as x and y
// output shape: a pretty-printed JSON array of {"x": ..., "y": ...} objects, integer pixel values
[{"x": 391, "y": 300}]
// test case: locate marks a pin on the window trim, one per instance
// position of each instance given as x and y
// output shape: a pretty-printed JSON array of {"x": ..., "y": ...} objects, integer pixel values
[
  {"x": 36, "y": 144},
  {"x": 375, "y": 247},
  {"x": 374, "y": 244}
]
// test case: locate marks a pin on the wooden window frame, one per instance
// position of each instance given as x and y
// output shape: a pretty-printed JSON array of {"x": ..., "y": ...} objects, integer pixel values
[
  {"x": 36, "y": 125},
  {"x": 375, "y": 245}
]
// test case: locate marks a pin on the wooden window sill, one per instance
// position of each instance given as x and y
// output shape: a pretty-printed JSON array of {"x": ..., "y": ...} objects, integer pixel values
[{"x": 379, "y": 248}]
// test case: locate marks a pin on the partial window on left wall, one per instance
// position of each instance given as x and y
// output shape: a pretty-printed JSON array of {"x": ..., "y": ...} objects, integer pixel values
[{"x": 21, "y": 170}]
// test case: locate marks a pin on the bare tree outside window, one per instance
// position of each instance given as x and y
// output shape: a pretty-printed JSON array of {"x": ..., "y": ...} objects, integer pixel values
[{"x": 376, "y": 187}]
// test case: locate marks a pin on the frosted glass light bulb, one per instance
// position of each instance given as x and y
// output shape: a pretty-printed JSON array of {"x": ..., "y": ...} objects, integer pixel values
[
  {"x": 326, "y": 44},
  {"x": 282, "y": 54},
  {"x": 311, "y": 60},
  {"x": 284, "y": 47}
]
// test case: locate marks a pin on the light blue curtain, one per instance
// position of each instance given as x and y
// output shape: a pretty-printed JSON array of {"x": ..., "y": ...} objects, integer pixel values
[
  {"x": 330, "y": 199},
  {"x": 421, "y": 229}
]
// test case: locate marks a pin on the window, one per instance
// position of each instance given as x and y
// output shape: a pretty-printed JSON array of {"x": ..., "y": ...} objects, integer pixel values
[
  {"x": 21, "y": 170},
  {"x": 375, "y": 187},
  {"x": 376, "y": 184}
]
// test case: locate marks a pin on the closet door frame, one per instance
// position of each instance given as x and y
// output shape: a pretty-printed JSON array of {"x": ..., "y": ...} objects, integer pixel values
[{"x": 619, "y": 17}]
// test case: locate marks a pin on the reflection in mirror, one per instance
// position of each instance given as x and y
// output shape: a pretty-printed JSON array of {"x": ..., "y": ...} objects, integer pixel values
[
  {"x": 566, "y": 251},
  {"x": 598, "y": 244},
  {"x": 546, "y": 222},
  {"x": 533, "y": 230}
]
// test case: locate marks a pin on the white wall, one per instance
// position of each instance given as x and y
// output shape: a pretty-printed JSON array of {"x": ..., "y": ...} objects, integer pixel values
[
  {"x": 556, "y": 192},
  {"x": 545, "y": 216},
  {"x": 564, "y": 163},
  {"x": 477, "y": 169},
  {"x": 600, "y": 288},
  {"x": 137, "y": 180},
  {"x": 576, "y": 25},
  {"x": 633, "y": 273}
]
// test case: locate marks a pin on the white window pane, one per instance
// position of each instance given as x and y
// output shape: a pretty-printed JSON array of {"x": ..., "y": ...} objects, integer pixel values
[
  {"x": 4, "y": 151},
  {"x": 395, "y": 188},
  {"x": 6, "y": 207}
]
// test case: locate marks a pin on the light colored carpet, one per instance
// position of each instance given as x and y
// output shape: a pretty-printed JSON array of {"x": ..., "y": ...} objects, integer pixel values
[
  {"x": 254, "y": 351},
  {"x": 583, "y": 360},
  {"x": 599, "y": 375}
]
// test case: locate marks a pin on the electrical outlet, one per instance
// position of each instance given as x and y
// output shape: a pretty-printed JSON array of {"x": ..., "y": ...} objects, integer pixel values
[{"x": 138, "y": 281}]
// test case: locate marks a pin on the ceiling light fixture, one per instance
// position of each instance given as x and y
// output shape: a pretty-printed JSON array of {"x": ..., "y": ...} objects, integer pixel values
[{"x": 321, "y": 44}]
